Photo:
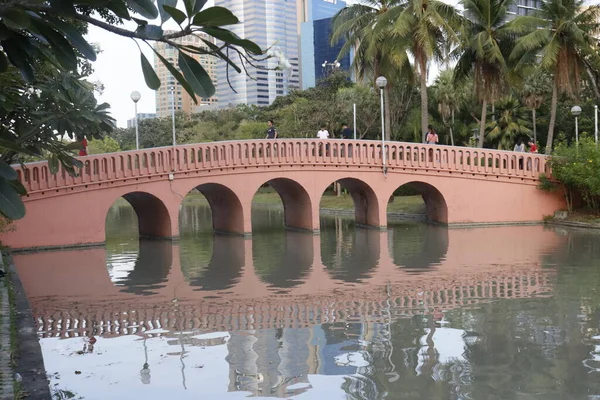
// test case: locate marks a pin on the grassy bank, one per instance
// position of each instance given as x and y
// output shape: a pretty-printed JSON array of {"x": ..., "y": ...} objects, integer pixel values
[{"x": 401, "y": 204}]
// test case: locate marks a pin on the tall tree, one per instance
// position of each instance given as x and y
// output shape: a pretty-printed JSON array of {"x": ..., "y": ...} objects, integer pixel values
[
  {"x": 485, "y": 43},
  {"x": 510, "y": 124},
  {"x": 561, "y": 35},
  {"x": 448, "y": 99},
  {"x": 364, "y": 28},
  {"x": 424, "y": 28},
  {"x": 535, "y": 87}
]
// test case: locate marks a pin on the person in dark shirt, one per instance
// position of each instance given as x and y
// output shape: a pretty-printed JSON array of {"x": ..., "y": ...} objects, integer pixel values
[
  {"x": 271, "y": 130},
  {"x": 346, "y": 132}
]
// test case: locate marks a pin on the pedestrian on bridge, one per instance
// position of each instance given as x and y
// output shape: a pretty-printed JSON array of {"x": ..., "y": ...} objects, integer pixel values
[
  {"x": 323, "y": 134},
  {"x": 271, "y": 130},
  {"x": 83, "y": 151}
]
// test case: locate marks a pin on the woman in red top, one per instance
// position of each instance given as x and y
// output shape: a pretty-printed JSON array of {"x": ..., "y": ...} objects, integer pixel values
[
  {"x": 83, "y": 151},
  {"x": 532, "y": 147}
]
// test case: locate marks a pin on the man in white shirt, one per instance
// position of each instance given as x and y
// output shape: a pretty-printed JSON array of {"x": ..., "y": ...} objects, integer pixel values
[{"x": 323, "y": 133}]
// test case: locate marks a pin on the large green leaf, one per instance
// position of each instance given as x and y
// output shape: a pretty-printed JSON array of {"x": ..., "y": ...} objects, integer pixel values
[
  {"x": 149, "y": 75},
  {"x": 178, "y": 15},
  {"x": 3, "y": 62},
  {"x": 15, "y": 19},
  {"x": 60, "y": 47},
  {"x": 177, "y": 75},
  {"x": 227, "y": 36},
  {"x": 215, "y": 16},
  {"x": 18, "y": 57},
  {"x": 119, "y": 8},
  {"x": 53, "y": 164},
  {"x": 7, "y": 172},
  {"x": 18, "y": 187},
  {"x": 198, "y": 6},
  {"x": 12, "y": 146},
  {"x": 196, "y": 75},
  {"x": 145, "y": 8},
  {"x": 11, "y": 204},
  {"x": 75, "y": 38},
  {"x": 189, "y": 7},
  {"x": 164, "y": 15}
]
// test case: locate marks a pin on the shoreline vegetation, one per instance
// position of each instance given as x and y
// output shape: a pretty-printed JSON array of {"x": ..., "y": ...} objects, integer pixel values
[{"x": 267, "y": 197}]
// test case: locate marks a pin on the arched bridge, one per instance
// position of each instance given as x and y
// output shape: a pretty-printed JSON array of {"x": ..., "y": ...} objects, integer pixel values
[{"x": 459, "y": 185}]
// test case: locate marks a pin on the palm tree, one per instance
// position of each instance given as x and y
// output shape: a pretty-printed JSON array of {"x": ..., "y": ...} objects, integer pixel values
[
  {"x": 360, "y": 26},
  {"x": 510, "y": 124},
  {"x": 535, "y": 87},
  {"x": 448, "y": 98},
  {"x": 425, "y": 28},
  {"x": 486, "y": 40},
  {"x": 561, "y": 35}
]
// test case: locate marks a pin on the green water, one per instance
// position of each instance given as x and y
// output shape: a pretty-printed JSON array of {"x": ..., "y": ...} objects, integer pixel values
[{"x": 485, "y": 313}]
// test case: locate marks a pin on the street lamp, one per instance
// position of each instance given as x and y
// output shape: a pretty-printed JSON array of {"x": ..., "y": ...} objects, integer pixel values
[
  {"x": 173, "y": 113},
  {"x": 381, "y": 82},
  {"x": 576, "y": 111},
  {"x": 333, "y": 66},
  {"x": 136, "y": 96}
]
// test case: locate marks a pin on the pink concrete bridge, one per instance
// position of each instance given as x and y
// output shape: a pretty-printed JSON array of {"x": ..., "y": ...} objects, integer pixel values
[{"x": 459, "y": 185}]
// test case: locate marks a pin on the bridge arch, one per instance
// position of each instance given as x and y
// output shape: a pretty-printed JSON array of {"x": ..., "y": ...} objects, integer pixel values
[
  {"x": 297, "y": 204},
  {"x": 366, "y": 202},
  {"x": 225, "y": 207},
  {"x": 153, "y": 217},
  {"x": 435, "y": 203}
]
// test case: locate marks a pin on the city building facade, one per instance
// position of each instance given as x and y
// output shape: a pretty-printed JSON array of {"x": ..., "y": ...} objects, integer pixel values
[
  {"x": 171, "y": 94},
  {"x": 140, "y": 116},
  {"x": 272, "y": 24},
  {"x": 318, "y": 57}
]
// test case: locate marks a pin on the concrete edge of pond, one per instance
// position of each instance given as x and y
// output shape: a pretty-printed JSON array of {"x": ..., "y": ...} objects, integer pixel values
[
  {"x": 29, "y": 361},
  {"x": 573, "y": 224}
]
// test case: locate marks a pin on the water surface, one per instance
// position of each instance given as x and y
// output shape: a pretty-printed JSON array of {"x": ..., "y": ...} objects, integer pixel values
[{"x": 415, "y": 312}]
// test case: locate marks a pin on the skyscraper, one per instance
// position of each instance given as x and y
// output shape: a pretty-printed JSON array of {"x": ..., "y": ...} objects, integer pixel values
[
  {"x": 272, "y": 24},
  {"x": 523, "y": 7},
  {"x": 181, "y": 99},
  {"x": 315, "y": 31}
]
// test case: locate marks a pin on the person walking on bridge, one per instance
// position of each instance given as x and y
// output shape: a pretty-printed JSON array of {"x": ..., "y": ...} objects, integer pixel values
[{"x": 271, "y": 130}]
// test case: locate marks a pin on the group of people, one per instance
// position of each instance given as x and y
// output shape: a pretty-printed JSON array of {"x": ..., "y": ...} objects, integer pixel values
[
  {"x": 323, "y": 133},
  {"x": 520, "y": 146}
]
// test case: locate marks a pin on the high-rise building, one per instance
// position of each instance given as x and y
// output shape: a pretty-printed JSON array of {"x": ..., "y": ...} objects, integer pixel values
[
  {"x": 140, "y": 116},
  {"x": 523, "y": 7},
  {"x": 317, "y": 56},
  {"x": 271, "y": 24},
  {"x": 171, "y": 94}
]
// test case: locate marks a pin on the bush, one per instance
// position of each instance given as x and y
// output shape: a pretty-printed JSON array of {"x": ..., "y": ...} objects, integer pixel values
[{"x": 576, "y": 168}]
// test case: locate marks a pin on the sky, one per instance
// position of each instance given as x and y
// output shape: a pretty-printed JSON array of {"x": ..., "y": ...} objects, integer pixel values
[{"x": 118, "y": 68}]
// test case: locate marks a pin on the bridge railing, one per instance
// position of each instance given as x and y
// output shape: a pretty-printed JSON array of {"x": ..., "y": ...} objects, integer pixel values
[{"x": 286, "y": 152}]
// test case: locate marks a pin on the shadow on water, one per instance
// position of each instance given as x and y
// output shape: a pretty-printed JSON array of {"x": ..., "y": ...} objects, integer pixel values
[
  {"x": 418, "y": 247},
  {"x": 212, "y": 262}
]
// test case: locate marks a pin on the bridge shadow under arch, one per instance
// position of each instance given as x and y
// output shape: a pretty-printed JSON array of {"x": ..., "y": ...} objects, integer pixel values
[
  {"x": 418, "y": 247},
  {"x": 435, "y": 204},
  {"x": 349, "y": 254},
  {"x": 153, "y": 218},
  {"x": 366, "y": 206},
  {"x": 226, "y": 210},
  {"x": 297, "y": 207},
  {"x": 212, "y": 263},
  {"x": 283, "y": 260}
]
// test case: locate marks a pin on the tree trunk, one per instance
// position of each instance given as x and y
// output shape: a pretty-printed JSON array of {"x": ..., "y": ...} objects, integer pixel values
[
  {"x": 388, "y": 114},
  {"x": 534, "y": 126},
  {"x": 424, "y": 108},
  {"x": 482, "y": 123},
  {"x": 451, "y": 136},
  {"x": 552, "y": 118}
]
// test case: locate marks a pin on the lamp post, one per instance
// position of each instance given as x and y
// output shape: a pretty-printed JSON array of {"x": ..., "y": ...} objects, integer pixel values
[
  {"x": 381, "y": 83},
  {"x": 576, "y": 111},
  {"x": 596, "y": 124},
  {"x": 333, "y": 66},
  {"x": 173, "y": 113},
  {"x": 136, "y": 96}
]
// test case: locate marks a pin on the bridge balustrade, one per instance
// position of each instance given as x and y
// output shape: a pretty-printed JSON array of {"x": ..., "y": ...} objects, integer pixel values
[{"x": 106, "y": 168}]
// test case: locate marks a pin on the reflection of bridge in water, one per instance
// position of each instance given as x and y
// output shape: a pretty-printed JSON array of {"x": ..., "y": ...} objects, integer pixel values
[{"x": 71, "y": 292}]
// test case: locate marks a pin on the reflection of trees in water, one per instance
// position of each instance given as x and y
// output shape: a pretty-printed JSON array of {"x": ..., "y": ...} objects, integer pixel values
[
  {"x": 121, "y": 221},
  {"x": 212, "y": 262},
  {"x": 151, "y": 268},
  {"x": 283, "y": 259},
  {"x": 418, "y": 246},
  {"x": 349, "y": 254},
  {"x": 195, "y": 216}
]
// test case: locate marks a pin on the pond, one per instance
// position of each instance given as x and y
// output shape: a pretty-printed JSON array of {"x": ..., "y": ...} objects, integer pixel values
[{"x": 414, "y": 312}]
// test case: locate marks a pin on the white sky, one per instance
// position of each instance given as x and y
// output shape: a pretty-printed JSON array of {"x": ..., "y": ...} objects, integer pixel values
[{"x": 118, "y": 68}]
